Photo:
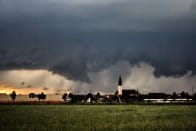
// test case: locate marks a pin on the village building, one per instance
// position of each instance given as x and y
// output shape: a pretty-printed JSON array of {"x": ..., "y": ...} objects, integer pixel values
[{"x": 126, "y": 95}]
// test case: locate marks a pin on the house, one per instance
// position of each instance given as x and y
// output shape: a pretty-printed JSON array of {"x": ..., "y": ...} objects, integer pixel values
[{"x": 129, "y": 95}]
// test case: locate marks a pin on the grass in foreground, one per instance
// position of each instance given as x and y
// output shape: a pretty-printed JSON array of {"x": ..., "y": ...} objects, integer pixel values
[{"x": 96, "y": 117}]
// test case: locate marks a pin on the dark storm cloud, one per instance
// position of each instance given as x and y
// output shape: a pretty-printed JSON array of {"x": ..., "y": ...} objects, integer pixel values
[{"x": 74, "y": 38}]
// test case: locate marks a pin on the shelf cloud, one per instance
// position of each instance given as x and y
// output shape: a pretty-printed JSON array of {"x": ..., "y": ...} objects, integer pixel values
[{"x": 138, "y": 76}]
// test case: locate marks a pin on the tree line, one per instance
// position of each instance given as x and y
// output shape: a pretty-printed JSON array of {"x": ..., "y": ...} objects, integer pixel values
[
  {"x": 70, "y": 97},
  {"x": 40, "y": 96}
]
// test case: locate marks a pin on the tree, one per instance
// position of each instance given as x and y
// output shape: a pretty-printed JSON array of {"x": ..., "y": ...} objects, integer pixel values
[
  {"x": 90, "y": 97},
  {"x": 71, "y": 96},
  {"x": 117, "y": 97},
  {"x": 41, "y": 96},
  {"x": 183, "y": 94},
  {"x": 194, "y": 96},
  {"x": 116, "y": 93},
  {"x": 13, "y": 95},
  {"x": 64, "y": 97},
  {"x": 32, "y": 95},
  {"x": 187, "y": 96},
  {"x": 98, "y": 95},
  {"x": 174, "y": 95}
]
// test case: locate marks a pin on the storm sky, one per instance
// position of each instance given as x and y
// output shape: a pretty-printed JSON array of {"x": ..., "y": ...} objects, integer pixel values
[{"x": 89, "y": 43}]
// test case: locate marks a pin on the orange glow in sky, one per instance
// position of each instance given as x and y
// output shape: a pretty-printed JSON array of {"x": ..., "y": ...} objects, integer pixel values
[
  {"x": 8, "y": 90},
  {"x": 32, "y": 81}
]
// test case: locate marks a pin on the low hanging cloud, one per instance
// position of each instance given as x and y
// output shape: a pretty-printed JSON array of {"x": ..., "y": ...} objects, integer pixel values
[
  {"x": 135, "y": 76},
  {"x": 42, "y": 80},
  {"x": 140, "y": 76}
]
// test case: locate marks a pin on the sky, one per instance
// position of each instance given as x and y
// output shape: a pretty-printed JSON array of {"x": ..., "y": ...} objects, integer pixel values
[{"x": 85, "y": 45}]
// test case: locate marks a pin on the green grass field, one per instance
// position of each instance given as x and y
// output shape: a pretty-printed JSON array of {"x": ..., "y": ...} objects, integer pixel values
[{"x": 97, "y": 117}]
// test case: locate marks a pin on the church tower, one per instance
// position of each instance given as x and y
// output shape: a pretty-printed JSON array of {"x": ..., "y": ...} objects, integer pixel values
[{"x": 120, "y": 86}]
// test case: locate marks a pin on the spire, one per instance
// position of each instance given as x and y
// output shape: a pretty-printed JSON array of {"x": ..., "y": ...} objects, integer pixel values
[{"x": 120, "y": 81}]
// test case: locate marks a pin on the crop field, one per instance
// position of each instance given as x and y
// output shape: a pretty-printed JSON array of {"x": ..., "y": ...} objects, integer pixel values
[{"x": 97, "y": 117}]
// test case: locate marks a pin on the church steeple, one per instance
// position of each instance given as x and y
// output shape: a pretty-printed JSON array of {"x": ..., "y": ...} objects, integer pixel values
[
  {"x": 120, "y": 81},
  {"x": 120, "y": 86}
]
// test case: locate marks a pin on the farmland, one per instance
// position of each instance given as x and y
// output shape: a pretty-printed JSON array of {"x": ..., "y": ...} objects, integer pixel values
[{"x": 97, "y": 117}]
